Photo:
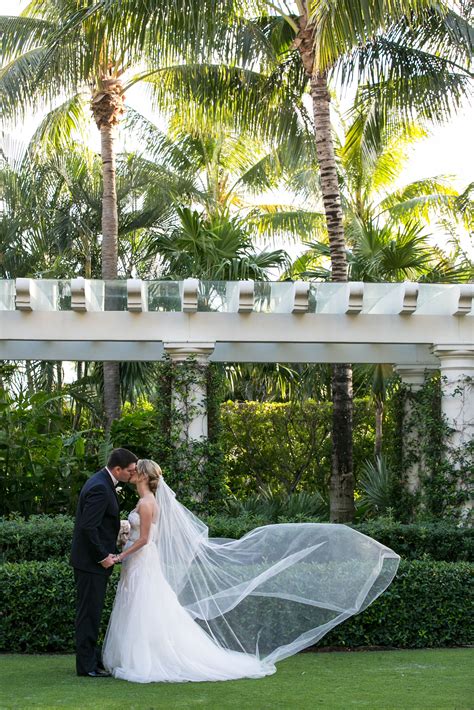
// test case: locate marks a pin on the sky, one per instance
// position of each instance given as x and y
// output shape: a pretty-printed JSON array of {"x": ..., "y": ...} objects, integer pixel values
[{"x": 448, "y": 151}]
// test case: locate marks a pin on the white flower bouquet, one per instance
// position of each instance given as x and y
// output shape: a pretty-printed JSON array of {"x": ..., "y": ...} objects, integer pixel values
[{"x": 124, "y": 532}]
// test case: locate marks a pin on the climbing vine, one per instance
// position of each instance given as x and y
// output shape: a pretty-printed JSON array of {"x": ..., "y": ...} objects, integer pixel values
[
  {"x": 193, "y": 466},
  {"x": 421, "y": 439}
]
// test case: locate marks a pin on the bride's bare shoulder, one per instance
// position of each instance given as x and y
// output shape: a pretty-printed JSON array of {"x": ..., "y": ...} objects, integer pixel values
[{"x": 147, "y": 502}]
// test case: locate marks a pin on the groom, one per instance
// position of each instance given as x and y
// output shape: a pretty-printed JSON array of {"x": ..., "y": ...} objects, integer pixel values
[{"x": 92, "y": 556}]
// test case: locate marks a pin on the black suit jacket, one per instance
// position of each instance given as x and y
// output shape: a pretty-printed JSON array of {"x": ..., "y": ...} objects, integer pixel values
[{"x": 97, "y": 524}]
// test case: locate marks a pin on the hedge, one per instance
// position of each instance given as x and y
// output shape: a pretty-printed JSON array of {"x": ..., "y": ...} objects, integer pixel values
[
  {"x": 43, "y": 538},
  {"x": 428, "y": 604}
]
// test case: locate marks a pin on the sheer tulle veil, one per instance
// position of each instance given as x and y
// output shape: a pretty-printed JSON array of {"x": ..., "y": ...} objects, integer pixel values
[{"x": 275, "y": 591}]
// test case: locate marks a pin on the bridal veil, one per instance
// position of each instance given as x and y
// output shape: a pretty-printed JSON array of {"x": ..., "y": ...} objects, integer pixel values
[{"x": 279, "y": 588}]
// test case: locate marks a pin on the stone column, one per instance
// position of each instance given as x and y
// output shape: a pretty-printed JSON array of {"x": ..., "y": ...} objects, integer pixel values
[
  {"x": 413, "y": 376},
  {"x": 457, "y": 387},
  {"x": 457, "y": 400},
  {"x": 189, "y": 395}
]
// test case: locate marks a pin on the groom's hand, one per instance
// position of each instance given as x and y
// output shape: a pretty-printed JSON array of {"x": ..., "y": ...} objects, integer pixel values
[{"x": 108, "y": 562}]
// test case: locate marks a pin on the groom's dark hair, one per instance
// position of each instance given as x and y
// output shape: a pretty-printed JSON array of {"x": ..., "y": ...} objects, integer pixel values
[{"x": 122, "y": 458}]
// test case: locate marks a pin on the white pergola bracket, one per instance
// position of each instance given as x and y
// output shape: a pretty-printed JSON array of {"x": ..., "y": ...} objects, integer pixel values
[
  {"x": 136, "y": 296},
  {"x": 23, "y": 294},
  {"x": 410, "y": 298},
  {"x": 356, "y": 297},
  {"x": 466, "y": 297},
  {"x": 190, "y": 295},
  {"x": 301, "y": 297},
  {"x": 78, "y": 294},
  {"x": 246, "y": 296}
]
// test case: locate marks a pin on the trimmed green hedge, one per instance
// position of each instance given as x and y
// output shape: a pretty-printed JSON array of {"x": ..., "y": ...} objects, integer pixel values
[
  {"x": 42, "y": 538},
  {"x": 437, "y": 541},
  {"x": 428, "y": 604}
]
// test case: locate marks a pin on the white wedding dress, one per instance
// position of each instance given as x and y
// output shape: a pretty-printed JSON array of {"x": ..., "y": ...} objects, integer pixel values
[
  {"x": 191, "y": 608},
  {"x": 151, "y": 637}
]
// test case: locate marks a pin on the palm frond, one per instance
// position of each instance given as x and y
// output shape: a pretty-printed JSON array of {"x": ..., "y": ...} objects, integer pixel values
[{"x": 341, "y": 25}]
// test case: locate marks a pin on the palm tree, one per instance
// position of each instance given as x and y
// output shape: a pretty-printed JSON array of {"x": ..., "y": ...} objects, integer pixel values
[
  {"x": 388, "y": 226},
  {"x": 213, "y": 249},
  {"x": 327, "y": 33},
  {"x": 209, "y": 177},
  {"x": 62, "y": 49}
]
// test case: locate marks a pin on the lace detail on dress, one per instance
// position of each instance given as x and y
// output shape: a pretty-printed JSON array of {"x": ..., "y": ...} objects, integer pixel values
[{"x": 134, "y": 520}]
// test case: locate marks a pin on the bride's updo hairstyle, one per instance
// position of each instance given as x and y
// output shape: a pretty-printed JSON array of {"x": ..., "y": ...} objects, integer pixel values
[{"x": 151, "y": 470}]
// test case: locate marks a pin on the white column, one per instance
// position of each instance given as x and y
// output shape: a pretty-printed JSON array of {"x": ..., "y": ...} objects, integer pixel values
[
  {"x": 189, "y": 397},
  {"x": 413, "y": 376},
  {"x": 457, "y": 401},
  {"x": 457, "y": 388}
]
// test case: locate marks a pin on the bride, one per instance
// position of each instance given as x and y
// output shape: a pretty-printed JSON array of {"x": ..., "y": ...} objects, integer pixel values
[{"x": 190, "y": 608}]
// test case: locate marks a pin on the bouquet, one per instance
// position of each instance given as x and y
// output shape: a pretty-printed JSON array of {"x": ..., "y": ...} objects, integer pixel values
[{"x": 124, "y": 532}]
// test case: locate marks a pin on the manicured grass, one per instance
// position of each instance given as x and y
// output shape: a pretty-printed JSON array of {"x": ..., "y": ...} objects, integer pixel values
[{"x": 435, "y": 679}]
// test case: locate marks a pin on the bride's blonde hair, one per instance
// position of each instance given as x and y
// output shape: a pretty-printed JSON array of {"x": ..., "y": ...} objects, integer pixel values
[{"x": 150, "y": 469}]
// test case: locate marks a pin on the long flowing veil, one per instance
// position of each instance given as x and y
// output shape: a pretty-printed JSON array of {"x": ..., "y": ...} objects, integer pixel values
[{"x": 278, "y": 589}]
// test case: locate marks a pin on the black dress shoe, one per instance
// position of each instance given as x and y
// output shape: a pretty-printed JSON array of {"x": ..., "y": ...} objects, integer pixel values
[{"x": 96, "y": 674}]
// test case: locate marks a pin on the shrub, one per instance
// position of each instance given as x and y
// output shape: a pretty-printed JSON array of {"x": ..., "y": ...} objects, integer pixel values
[
  {"x": 438, "y": 541},
  {"x": 286, "y": 446},
  {"x": 42, "y": 537},
  {"x": 428, "y": 604},
  {"x": 38, "y": 606},
  {"x": 43, "y": 463}
]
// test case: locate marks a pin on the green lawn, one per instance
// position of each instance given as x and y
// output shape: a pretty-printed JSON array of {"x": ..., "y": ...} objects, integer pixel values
[{"x": 433, "y": 679}]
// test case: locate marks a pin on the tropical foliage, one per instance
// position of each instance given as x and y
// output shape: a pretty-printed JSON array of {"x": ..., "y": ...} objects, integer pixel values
[{"x": 245, "y": 156}]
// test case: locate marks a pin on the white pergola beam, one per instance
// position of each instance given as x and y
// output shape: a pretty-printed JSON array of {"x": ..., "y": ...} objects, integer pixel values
[
  {"x": 223, "y": 352},
  {"x": 234, "y": 327}
]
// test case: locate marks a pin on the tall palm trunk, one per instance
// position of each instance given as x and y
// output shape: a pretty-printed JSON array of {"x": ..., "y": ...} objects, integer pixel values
[
  {"x": 341, "y": 489},
  {"x": 379, "y": 406},
  {"x": 107, "y": 107}
]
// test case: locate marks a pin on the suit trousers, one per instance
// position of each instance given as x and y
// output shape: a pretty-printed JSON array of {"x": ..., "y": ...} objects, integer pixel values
[{"x": 90, "y": 595}]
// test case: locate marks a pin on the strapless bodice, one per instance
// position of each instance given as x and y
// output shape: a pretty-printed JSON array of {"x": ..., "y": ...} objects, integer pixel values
[{"x": 134, "y": 520}]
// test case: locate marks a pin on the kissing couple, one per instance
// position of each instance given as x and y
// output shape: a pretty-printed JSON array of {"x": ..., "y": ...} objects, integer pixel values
[{"x": 193, "y": 608}]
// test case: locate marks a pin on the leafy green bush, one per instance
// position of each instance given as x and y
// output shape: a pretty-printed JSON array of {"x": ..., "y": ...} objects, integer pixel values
[
  {"x": 38, "y": 606},
  {"x": 272, "y": 506},
  {"x": 437, "y": 541},
  {"x": 286, "y": 446},
  {"x": 43, "y": 463},
  {"x": 42, "y": 537},
  {"x": 428, "y": 604}
]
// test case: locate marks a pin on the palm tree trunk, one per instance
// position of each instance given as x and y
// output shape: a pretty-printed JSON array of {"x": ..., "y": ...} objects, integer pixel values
[
  {"x": 328, "y": 175},
  {"x": 107, "y": 106},
  {"x": 112, "y": 400},
  {"x": 341, "y": 488},
  {"x": 78, "y": 408},
  {"x": 109, "y": 203},
  {"x": 378, "y": 427}
]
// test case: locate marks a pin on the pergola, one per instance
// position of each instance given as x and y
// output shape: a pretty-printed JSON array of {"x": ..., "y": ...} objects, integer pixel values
[{"x": 415, "y": 327}]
